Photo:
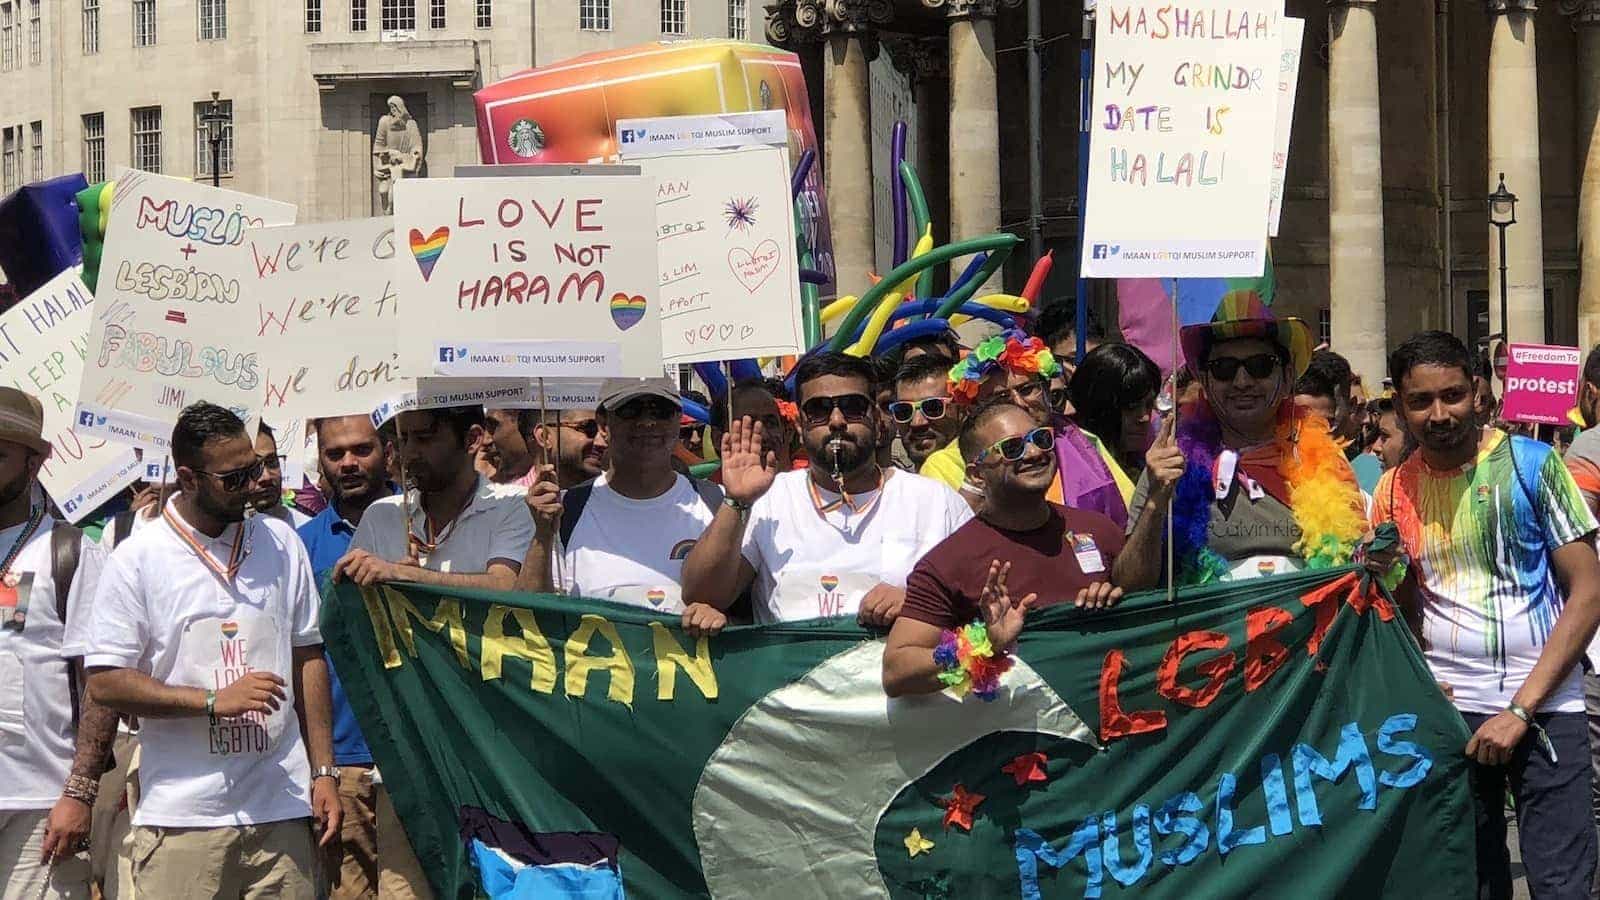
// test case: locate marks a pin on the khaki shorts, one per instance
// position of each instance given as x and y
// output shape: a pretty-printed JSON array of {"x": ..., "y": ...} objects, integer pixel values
[{"x": 275, "y": 859}]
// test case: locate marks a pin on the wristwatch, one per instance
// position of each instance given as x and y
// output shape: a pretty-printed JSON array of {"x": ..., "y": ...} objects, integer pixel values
[
  {"x": 735, "y": 505},
  {"x": 326, "y": 772}
]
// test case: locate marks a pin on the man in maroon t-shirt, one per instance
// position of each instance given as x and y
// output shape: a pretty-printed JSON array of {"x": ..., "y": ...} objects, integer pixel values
[{"x": 1022, "y": 551}]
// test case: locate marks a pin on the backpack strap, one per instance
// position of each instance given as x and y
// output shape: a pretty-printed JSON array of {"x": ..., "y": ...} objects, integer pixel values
[
  {"x": 121, "y": 527},
  {"x": 710, "y": 493},
  {"x": 65, "y": 544},
  {"x": 572, "y": 504}
]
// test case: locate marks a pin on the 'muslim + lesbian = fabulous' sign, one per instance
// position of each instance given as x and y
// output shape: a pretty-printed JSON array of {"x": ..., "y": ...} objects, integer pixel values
[
  {"x": 1280, "y": 737},
  {"x": 1182, "y": 133},
  {"x": 170, "y": 328},
  {"x": 543, "y": 276}
]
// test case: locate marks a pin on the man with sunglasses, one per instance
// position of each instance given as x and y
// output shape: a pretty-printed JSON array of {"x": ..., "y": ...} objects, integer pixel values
[
  {"x": 205, "y": 627},
  {"x": 568, "y": 439},
  {"x": 266, "y": 498},
  {"x": 922, "y": 409},
  {"x": 836, "y": 539},
  {"x": 1021, "y": 552},
  {"x": 624, "y": 535}
]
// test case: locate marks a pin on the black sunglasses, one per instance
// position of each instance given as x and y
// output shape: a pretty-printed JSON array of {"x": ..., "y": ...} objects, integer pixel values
[
  {"x": 688, "y": 432},
  {"x": 1225, "y": 368},
  {"x": 1012, "y": 448},
  {"x": 648, "y": 407},
  {"x": 273, "y": 462},
  {"x": 236, "y": 480},
  {"x": 903, "y": 411},
  {"x": 854, "y": 408},
  {"x": 1058, "y": 399}
]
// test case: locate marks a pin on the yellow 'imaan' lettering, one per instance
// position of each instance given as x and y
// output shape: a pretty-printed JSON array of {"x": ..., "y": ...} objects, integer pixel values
[
  {"x": 580, "y": 663},
  {"x": 447, "y": 614},
  {"x": 670, "y": 657},
  {"x": 530, "y": 645},
  {"x": 380, "y": 627}
]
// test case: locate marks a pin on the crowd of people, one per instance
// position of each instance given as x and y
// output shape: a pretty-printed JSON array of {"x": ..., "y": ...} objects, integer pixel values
[{"x": 176, "y": 729}]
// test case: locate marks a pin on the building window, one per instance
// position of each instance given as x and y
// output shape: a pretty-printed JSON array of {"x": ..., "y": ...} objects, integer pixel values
[
  {"x": 9, "y": 138},
  {"x": 485, "y": 13},
  {"x": 594, "y": 15},
  {"x": 146, "y": 138},
  {"x": 213, "y": 20},
  {"x": 313, "y": 16},
  {"x": 738, "y": 19},
  {"x": 94, "y": 147},
  {"x": 398, "y": 15},
  {"x": 358, "y": 15},
  {"x": 435, "y": 14},
  {"x": 8, "y": 25},
  {"x": 1325, "y": 325},
  {"x": 91, "y": 26},
  {"x": 202, "y": 140},
  {"x": 674, "y": 16},
  {"x": 144, "y": 23},
  {"x": 38, "y": 150},
  {"x": 35, "y": 39}
]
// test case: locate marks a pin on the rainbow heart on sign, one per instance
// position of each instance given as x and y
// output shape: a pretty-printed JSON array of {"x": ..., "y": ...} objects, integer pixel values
[
  {"x": 428, "y": 249},
  {"x": 229, "y": 629},
  {"x": 626, "y": 311},
  {"x": 829, "y": 582},
  {"x": 656, "y": 596}
]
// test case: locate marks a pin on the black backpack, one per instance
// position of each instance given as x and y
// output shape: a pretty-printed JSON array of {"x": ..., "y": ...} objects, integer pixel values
[
  {"x": 65, "y": 544},
  {"x": 575, "y": 499}
]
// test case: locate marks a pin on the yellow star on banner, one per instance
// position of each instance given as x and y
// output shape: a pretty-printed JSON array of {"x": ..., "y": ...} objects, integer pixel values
[{"x": 916, "y": 843}]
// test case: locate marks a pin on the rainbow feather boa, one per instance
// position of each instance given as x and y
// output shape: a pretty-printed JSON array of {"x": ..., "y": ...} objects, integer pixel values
[{"x": 1323, "y": 496}]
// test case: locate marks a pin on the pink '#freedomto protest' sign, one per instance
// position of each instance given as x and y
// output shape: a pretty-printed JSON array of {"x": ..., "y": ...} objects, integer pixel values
[{"x": 1541, "y": 383}]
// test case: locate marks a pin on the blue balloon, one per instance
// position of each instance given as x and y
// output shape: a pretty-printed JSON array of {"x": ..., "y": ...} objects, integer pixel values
[
  {"x": 696, "y": 411},
  {"x": 745, "y": 369},
  {"x": 711, "y": 374},
  {"x": 909, "y": 332}
]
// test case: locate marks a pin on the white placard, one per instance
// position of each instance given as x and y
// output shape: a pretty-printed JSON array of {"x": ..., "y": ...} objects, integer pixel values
[
  {"x": 730, "y": 283},
  {"x": 540, "y": 277},
  {"x": 43, "y": 342},
  {"x": 437, "y": 393},
  {"x": 1288, "y": 82},
  {"x": 1183, "y": 119},
  {"x": 671, "y": 134},
  {"x": 169, "y": 328},
  {"x": 322, "y": 316}
]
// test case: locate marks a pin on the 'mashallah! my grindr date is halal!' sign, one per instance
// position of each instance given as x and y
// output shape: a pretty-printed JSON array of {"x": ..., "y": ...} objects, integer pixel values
[
  {"x": 1182, "y": 124},
  {"x": 544, "y": 276}
]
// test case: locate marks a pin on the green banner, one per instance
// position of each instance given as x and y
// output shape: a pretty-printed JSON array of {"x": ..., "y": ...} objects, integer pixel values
[{"x": 1279, "y": 737}]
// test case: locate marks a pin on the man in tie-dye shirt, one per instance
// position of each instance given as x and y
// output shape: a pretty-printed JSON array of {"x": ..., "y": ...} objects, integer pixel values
[{"x": 1507, "y": 585}]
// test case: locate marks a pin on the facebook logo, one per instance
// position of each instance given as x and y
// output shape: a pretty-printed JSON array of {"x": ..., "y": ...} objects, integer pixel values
[
  {"x": 627, "y": 135},
  {"x": 1100, "y": 251},
  {"x": 86, "y": 418},
  {"x": 71, "y": 505},
  {"x": 447, "y": 354}
]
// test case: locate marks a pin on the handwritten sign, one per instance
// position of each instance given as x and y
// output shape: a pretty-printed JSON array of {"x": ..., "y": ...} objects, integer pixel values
[
  {"x": 437, "y": 393},
  {"x": 43, "y": 342},
  {"x": 537, "y": 276},
  {"x": 1541, "y": 383},
  {"x": 323, "y": 316},
  {"x": 730, "y": 284},
  {"x": 168, "y": 323},
  {"x": 1182, "y": 125},
  {"x": 1288, "y": 82}
]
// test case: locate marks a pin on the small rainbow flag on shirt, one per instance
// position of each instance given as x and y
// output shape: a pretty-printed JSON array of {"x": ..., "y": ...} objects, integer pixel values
[{"x": 428, "y": 249}]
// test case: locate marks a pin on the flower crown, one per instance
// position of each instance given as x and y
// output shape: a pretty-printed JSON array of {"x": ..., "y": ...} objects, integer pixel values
[{"x": 1012, "y": 350}]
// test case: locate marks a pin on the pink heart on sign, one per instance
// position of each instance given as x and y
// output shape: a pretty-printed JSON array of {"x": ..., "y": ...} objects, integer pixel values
[
  {"x": 754, "y": 267},
  {"x": 727, "y": 331},
  {"x": 688, "y": 336},
  {"x": 746, "y": 331},
  {"x": 707, "y": 332}
]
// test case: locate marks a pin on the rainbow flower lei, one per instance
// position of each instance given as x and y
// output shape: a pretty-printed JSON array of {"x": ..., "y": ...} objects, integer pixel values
[
  {"x": 1323, "y": 496},
  {"x": 970, "y": 662},
  {"x": 1012, "y": 350}
]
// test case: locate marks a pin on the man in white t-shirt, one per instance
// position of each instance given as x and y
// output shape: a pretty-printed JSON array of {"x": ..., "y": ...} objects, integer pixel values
[
  {"x": 205, "y": 627},
  {"x": 625, "y": 534},
  {"x": 836, "y": 539},
  {"x": 453, "y": 528},
  {"x": 54, "y": 744}
]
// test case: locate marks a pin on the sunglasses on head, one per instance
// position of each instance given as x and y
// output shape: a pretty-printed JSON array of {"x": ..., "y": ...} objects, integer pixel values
[
  {"x": 648, "y": 407},
  {"x": 903, "y": 411},
  {"x": 854, "y": 408},
  {"x": 1225, "y": 368},
  {"x": 236, "y": 480},
  {"x": 1012, "y": 448}
]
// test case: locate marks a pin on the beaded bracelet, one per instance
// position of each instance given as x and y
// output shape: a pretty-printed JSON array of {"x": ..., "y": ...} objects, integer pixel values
[{"x": 971, "y": 663}]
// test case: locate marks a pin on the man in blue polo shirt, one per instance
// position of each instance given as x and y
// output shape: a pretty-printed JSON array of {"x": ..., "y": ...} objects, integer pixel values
[{"x": 373, "y": 857}]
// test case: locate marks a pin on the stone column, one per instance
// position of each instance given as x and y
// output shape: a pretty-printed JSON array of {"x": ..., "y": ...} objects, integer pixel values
[
  {"x": 1514, "y": 150},
  {"x": 974, "y": 124},
  {"x": 927, "y": 62},
  {"x": 1586, "y": 18},
  {"x": 1357, "y": 295}
]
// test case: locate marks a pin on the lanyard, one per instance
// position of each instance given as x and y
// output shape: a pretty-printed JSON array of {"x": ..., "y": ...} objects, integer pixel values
[
  {"x": 427, "y": 543},
  {"x": 236, "y": 554},
  {"x": 845, "y": 501},
  {"x": 35, "y": 517}
]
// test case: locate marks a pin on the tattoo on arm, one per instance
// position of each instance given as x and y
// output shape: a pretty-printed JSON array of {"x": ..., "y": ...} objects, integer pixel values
[{"x": 97, "y": 731}]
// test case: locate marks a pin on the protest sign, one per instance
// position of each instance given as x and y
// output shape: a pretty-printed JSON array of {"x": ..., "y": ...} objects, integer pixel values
[
  {"x": 43, "y": 342},
  {"x": 437, "y": 393},
  {"x": 1288, "y": 82},
  {"x": 537, "y": 277},
  {"x": 673, "y": 134},
  {"x": 730, "y": 283},
  {"x": 1310, "y": 754},
  {"x": 1182, "y": 126},
  {"x": 169, "y": 327},
  {"x": 323, "y": 308},
  {"x": 1541, "y": 383}
]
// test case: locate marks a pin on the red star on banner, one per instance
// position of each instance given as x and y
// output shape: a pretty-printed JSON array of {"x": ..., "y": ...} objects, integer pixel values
[
  {"x": 1027, "y": 767},
  {"x": 958, "y": 808}
]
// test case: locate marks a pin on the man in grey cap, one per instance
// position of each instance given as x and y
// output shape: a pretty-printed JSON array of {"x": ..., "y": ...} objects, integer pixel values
[{"x": 624, "y": 535}]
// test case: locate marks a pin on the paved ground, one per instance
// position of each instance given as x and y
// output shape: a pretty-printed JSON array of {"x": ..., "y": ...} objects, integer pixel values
[{"x": 1519, "y": 887}]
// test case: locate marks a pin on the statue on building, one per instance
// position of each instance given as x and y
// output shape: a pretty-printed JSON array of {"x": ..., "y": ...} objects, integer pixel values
[{"x": 396, "y": 150}]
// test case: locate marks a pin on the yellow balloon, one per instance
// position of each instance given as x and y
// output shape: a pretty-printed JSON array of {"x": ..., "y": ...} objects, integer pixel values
[
  {"x": 924, "y": 244},
  {"x": 1010, "y": 303},
  {"x": 837, "y": 308},
  {"x": 875, "y": 325}
]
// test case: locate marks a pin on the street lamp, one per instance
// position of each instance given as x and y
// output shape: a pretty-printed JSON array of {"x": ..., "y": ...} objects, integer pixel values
[
  {"x": 213, "y": 119},
  {"x": 1502, "y": 215}
]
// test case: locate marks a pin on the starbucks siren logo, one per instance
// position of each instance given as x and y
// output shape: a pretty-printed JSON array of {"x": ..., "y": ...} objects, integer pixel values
[{"x": 526, "y": 138}]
